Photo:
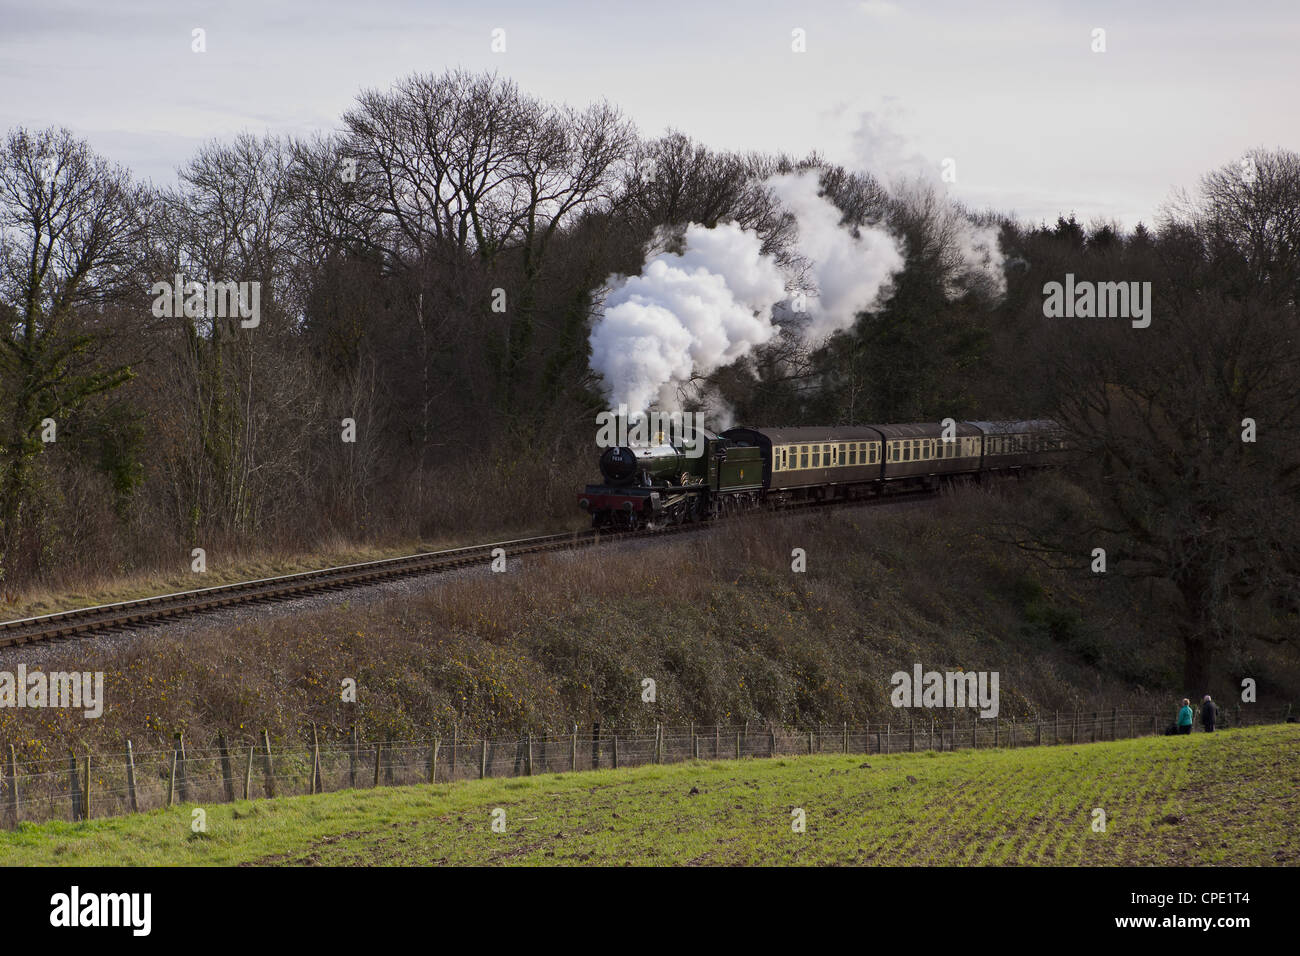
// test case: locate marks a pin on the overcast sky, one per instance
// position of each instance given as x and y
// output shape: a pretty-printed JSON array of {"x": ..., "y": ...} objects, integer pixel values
[{"x": 1036, "y": 122}]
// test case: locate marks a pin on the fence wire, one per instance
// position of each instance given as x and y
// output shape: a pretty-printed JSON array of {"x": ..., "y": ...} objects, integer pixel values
[{"x": 82, "y": 786}]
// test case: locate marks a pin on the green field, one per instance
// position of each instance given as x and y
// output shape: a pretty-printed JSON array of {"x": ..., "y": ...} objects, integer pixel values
[{"x": 1230, "y": 798}]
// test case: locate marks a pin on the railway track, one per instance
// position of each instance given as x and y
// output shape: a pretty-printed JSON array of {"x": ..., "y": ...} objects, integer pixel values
[{"x": 83, "y": 622}]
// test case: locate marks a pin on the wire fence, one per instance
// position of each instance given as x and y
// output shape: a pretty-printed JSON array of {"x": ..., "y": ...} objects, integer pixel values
[{"x": 85, "y": 786}]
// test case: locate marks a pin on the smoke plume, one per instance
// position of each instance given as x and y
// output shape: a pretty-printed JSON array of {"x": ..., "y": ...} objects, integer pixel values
[
  {"x": 687, "y": 315},
  {"x": 849, "y": 270}
]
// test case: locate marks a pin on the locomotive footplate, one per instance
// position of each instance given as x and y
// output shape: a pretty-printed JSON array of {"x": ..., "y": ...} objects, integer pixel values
[{"x": 605, "y": 498}]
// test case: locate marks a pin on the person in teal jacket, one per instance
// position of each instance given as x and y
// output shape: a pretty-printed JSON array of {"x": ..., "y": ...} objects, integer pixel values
[{"x": 1185, "y": 717}]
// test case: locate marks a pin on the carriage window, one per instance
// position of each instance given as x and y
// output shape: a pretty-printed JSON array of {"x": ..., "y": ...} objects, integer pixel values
[
  {"x": 803, "y": 456},
  {"x": 853, "y": 454},
  {"x": 817, "y": 456}
]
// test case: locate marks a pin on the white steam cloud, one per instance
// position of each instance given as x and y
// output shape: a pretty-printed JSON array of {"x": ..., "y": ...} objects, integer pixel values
[
  {"x": 685, "y": 315},
  {"x": 688, "y": 315},
  {"x": 972, "y": 250},
  {"x": 850, "y": 270}
]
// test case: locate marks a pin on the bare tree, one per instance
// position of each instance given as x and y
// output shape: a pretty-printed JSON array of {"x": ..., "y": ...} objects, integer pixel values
[
  {"x": 69, "y": 232},
  {"x": 1189, "y": 429}
]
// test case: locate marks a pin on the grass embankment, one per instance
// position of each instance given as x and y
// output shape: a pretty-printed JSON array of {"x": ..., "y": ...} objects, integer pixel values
[
  {"x": 720, "y": 621},
  {"x": 1229, "y": 798}
]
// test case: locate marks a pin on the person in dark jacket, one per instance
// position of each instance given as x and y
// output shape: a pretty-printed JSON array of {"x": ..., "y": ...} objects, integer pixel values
[{"x": 1208, "y": 714}]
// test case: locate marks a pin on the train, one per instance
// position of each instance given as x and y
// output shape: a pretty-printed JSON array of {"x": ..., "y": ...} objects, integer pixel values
[{"x": 704, "y": 476}]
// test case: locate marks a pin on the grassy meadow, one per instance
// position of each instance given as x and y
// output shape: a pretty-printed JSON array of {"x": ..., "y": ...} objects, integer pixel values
[{"x": 1228, "y": 798}]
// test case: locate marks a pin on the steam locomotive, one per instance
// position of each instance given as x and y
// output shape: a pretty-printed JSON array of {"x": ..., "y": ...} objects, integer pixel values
[{"x": 658, "y": 483}]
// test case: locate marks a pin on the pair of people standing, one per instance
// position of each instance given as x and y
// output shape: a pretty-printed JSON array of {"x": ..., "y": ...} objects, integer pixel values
[{"x": 1209, "y": 713}]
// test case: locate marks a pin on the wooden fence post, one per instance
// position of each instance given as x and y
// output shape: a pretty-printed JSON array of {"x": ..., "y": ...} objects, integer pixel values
[
  {"x": 737, "y": 744},
  {"x": 1012, "y": 739},
  {"x": 1038, "y": 734},
  {"x": 878, "y": 750},
  {"x": 74, "y": 787},
  {"x": 388, "y": 761},
  {"x": 455, "y": 731},
  {"x": 130, "y": 779},
  {"x": 1074, "y": 729},
  {"x": 595, "y": 746},
  {"x": 433, "y": 761},
  {"x": 482, "y": 760},
  {"x": 529, "y": 762},
  {"x": 171, "y": 782},
  {"x": 85, "y": 793},
  {"x": 846, "y": 736},
  {"x": 379, "y": 759},
  {"x": 354, "y": 745},
  {"x": 573, "y": 749},
  {"x": 717, "y": 742},
  {"x": 248, "y": 772},
  {"x": 616, "y": 751},
  {"x": 810, "y": 741},
  {"x": 771, "y": 741},
  {"x": 13, "y": 787},
  {"x": 659, "y": 743},
  {"x": 182, "y": 782},
  {"x": 268, "y": 769},
  {"x": 315, "y": 760},
  {"x": 227, "y": 777},
  {"x": 911, "y": 734}
]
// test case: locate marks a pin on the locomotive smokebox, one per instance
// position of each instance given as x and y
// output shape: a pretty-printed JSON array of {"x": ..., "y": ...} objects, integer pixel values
[{"x": 642, "y": 465}]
